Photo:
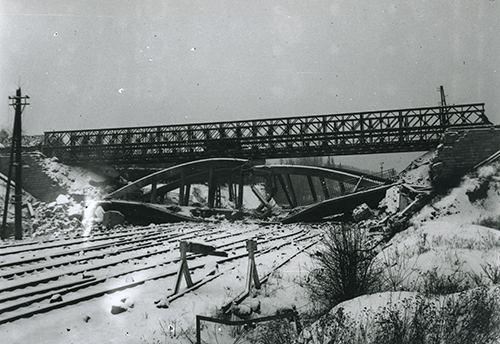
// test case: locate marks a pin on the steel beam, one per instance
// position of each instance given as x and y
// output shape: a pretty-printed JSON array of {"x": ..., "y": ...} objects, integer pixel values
[
  {"x": 313, "y": 191},
  {"x": 385, "y": 131}
]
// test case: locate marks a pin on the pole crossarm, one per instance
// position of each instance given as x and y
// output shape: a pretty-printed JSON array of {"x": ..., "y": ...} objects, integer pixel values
[{"x": 385, "y": 131}]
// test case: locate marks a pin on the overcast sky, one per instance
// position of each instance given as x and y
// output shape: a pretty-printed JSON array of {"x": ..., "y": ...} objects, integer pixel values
[{"x": 110, "y": 63}]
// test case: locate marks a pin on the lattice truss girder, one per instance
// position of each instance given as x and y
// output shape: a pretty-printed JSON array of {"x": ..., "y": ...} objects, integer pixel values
[{"x": 376, "y": 131}]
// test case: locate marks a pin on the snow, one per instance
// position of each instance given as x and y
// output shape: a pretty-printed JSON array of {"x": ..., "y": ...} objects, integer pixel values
[
  {"x": 456, "y": 237},
  {"x": 457, "y": 207},
  {"x": 447, "y": 236},
  {"x": 391, "y": 200},
  {"x": 75, "y": 179},
  {"x": 358, "y": 316},
  {"x": 62, "y": 199},
  {"x": 417, "y": 173},
  {"x": 92, "y": 321}
]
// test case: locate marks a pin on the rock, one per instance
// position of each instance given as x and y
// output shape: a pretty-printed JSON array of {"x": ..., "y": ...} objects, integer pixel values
[
  {"x": 62, "y": 199},
  {"x": 174, "y": 208},
  {"x": 129, "y": 303},
  {"x": 242, "y": 311},
  {"x": 86, "y": 318},
  {"x": 286, "y": 310},
  {"x": 75, "y": 212},
  {"x": 362, "y": 212},
  {"x": 119, "y": 308},
  {"x": 254, "y": 304},
  {"x": 162, "y": 303},
  {"x": 99, "y": 214},
  {"x": 56, "y": 298},
  {"x": 112, "y": 218},
  {"x": 306, "y": 334},
  {"x": 196, "y": 212}
]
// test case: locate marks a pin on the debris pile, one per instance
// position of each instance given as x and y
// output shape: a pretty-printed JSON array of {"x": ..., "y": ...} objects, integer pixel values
[
  {"x": 77, "y": 180},
  {"x": 407, "y": 196},
  {"x": 62, "y": 217},
  {"x": 443, "y": 250}
]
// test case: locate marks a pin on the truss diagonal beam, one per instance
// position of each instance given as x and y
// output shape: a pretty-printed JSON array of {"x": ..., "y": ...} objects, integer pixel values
[{"x": 383, "y": 131}]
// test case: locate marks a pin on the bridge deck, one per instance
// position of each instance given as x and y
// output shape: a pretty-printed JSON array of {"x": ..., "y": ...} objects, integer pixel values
[{"x": 385, "y": 131}]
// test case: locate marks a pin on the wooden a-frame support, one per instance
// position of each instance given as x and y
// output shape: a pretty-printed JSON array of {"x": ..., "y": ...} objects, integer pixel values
[
  {"x": 183, "y": 269},
  {"x": 252, "y": 275},
  {"x": 184, "y": 248}
]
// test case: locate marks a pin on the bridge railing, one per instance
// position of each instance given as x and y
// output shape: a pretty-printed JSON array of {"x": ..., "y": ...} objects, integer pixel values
[{"x": 349, "y": 133}]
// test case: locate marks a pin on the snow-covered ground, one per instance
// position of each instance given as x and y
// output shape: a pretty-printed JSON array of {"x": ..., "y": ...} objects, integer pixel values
[
  {"x": 92, "y": 321},
  {"x": 76, "y": 180},
  {"x": 451, "y": 246},
  {"x": 454, "y": 242}
]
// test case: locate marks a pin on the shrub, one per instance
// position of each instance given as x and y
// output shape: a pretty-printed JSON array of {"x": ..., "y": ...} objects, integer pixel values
[
  {"x": 344, "y": 268},
  {"x": 468, "y": 317},
  {"x": 462, "y": 318},
  {"x": 275, "y": 332},
  {"x": 438, "y": 284},
  {"x": 492, "y": 272}
]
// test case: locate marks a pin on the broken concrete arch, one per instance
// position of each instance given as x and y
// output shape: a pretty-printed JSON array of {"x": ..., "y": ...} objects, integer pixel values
[{"x": 235, "y": 174}]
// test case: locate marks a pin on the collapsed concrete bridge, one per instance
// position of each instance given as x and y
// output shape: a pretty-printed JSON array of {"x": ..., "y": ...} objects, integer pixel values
[{"x": 233, "y": 174}]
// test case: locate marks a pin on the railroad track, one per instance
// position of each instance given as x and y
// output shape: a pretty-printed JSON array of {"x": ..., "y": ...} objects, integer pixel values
[
  {"x": 26, "y": 288},
  {"x": 149, "y": 243}
]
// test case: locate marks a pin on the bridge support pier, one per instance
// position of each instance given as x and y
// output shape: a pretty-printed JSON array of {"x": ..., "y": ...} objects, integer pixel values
[
  {"x": 211, "y": 187},
  {"x": 285, "y": 190},
  {"x": 342, "y": 188},
  {"x": 292, "y": 190},
  {"x": 241, "y": 184},
  {"x": 187, "y": 192},
  {"x": 313, "y": 191},
  {"x": 324, "y": 186}
]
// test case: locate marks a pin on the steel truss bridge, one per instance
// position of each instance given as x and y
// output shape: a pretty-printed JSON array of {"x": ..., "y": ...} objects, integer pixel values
[{"x": 386, "y": 131}]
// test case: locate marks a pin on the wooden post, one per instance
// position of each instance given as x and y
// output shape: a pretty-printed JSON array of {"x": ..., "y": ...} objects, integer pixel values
[
  {"x": 3, "y": 233},
  {"x": 183, "y": 269},
  {"x": 18, "y": 196},
  {"x": 198, "y": 330},
  {"x": 18, "y": 102},
  {"x": 252, "y": 274},
  {"x": 196, "y": 248}
]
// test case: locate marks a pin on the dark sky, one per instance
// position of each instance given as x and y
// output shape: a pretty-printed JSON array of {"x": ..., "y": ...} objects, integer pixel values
[{"x": 109, "y": 63}]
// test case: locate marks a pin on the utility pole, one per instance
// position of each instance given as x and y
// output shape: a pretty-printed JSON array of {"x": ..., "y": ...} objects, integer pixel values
[
  {"x": 18, "y": 102},
  {"x": 443, "y": 96},
  {"x": 443, "y": 111}
]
